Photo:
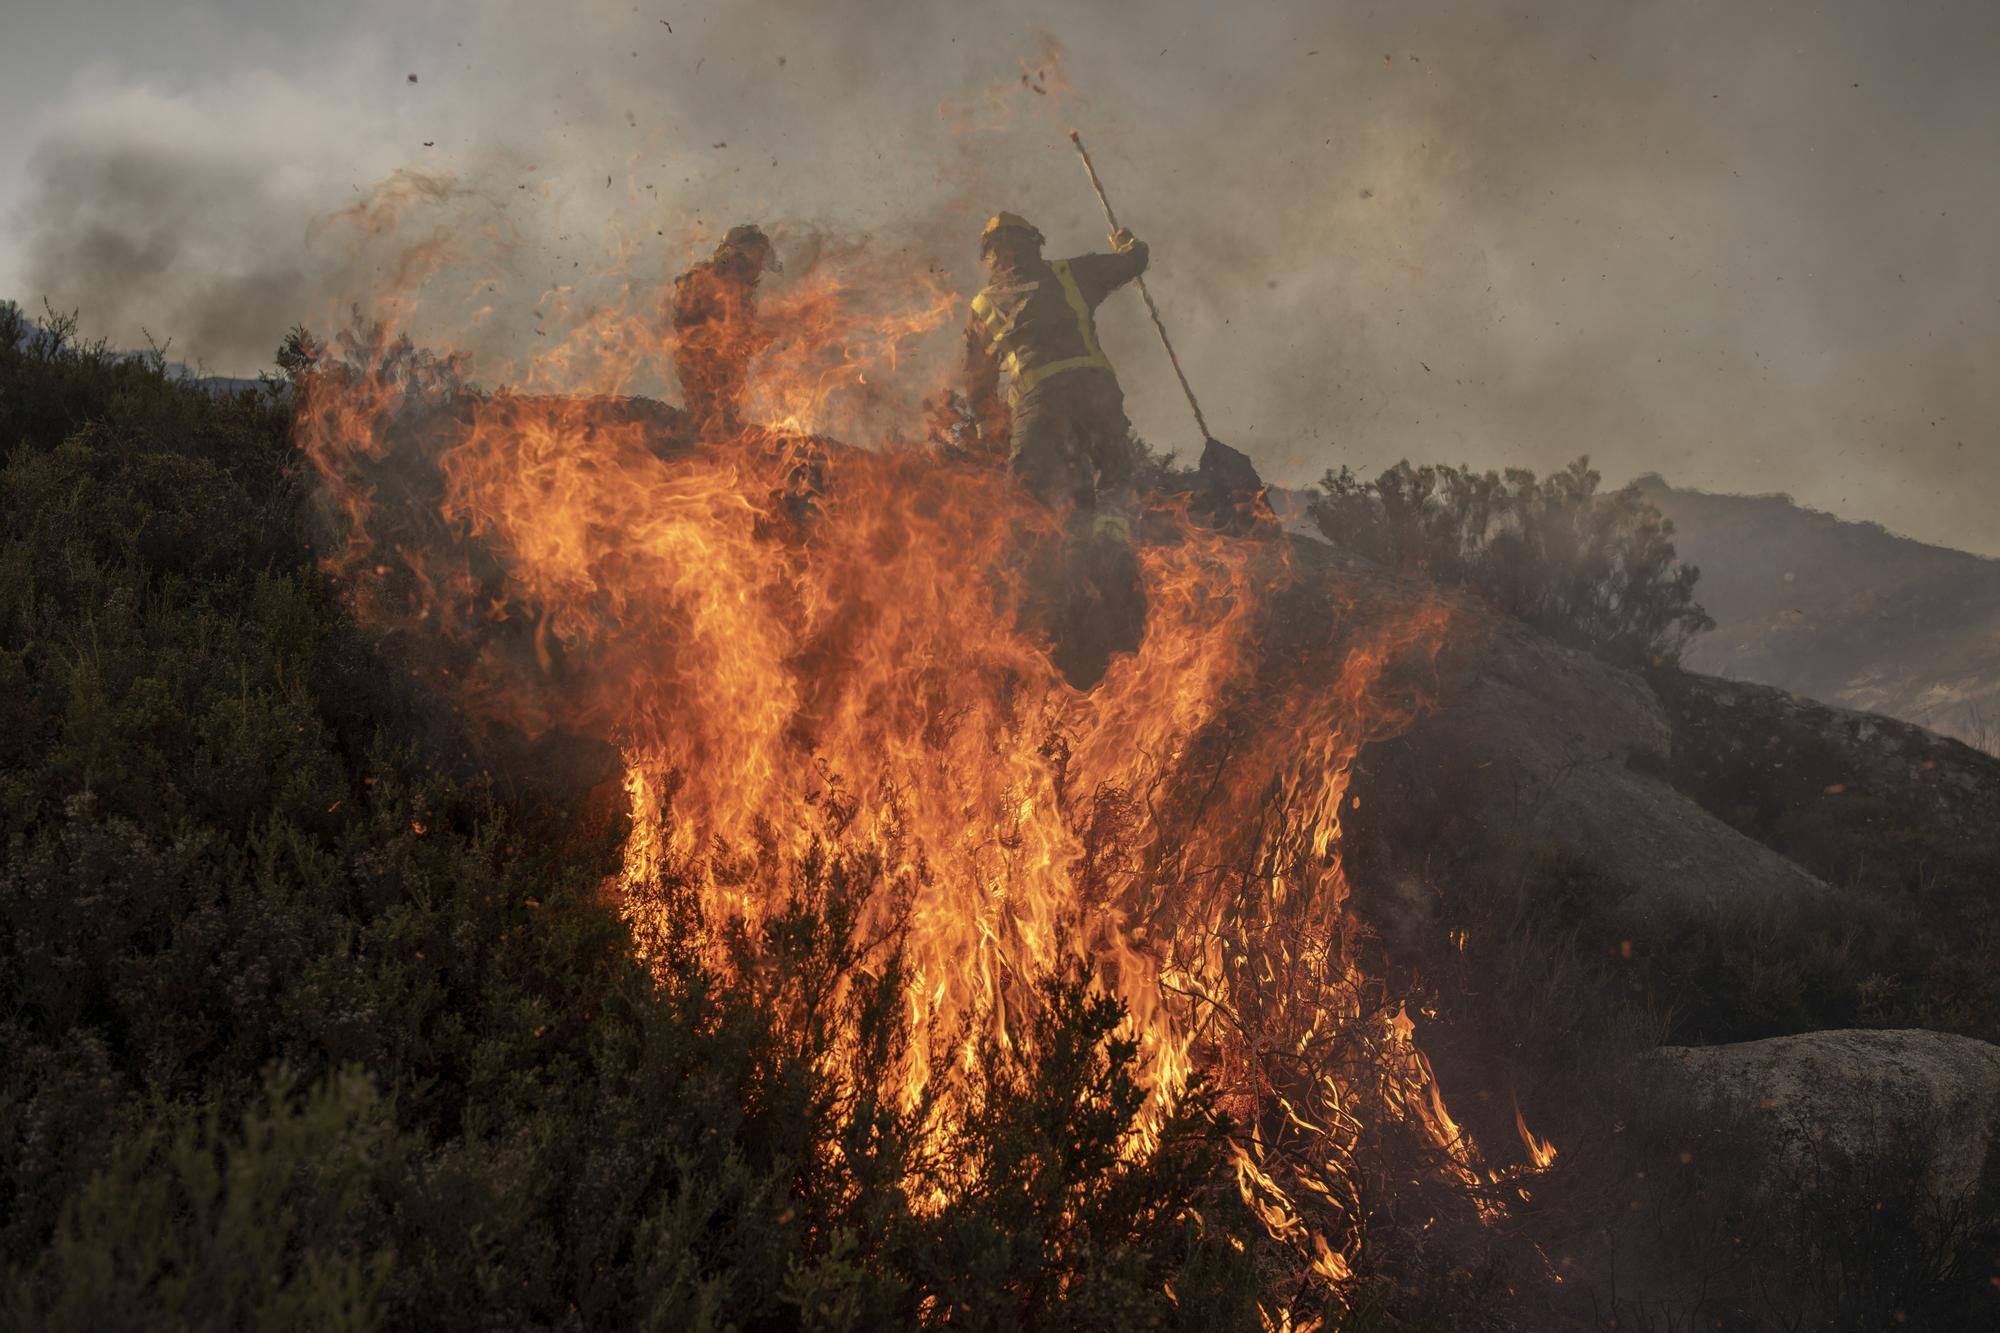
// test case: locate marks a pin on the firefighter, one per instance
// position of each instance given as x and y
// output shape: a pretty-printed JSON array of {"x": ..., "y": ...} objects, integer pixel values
[
  {"x": 1067, "y": 435},
  {"x": 716, "y": 329}
]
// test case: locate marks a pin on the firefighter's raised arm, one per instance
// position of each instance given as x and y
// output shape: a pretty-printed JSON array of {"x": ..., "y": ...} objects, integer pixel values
[{"x": 1101, "y": 275}]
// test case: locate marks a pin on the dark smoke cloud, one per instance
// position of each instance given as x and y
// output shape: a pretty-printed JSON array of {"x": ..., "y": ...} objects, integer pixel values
[
  {"x": 1745, "y": 245},
  {"x": 127, "y": 234}
]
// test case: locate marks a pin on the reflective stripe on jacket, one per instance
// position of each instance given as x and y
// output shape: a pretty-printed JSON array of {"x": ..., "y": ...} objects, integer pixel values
[
  {"x": 998, "y": 326},
  {"x": 1036, "y": 328}
]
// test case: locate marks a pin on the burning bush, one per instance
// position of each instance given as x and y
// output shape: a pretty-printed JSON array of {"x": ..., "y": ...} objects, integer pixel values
[
  {"x": 902, "y": 971},
  {"x": 313, "y": 1023},
  {"x": 861, "y": 678}
]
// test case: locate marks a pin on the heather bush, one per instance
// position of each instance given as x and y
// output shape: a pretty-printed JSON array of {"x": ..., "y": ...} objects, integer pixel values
[{"x": 1594, "y": 570}]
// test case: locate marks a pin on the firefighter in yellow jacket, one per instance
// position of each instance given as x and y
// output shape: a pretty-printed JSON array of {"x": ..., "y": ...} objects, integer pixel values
[{"x": 1067, "y": 433}]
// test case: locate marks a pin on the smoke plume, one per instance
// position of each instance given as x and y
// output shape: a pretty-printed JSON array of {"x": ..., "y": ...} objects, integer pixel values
[{"x": 1743, "y": 246}]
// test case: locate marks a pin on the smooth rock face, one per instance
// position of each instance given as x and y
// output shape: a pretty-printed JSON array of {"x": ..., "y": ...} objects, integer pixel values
[
  {"x": 1852, "y": 1097},
  {"x": 1528, "y": 747}
]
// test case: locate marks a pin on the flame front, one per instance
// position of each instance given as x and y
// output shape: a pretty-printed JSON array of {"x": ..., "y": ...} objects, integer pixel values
[{"x": 857, "y": 669}]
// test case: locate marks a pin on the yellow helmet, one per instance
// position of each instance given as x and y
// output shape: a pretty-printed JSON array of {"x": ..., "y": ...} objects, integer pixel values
[{"x": 1000, "y": 222}]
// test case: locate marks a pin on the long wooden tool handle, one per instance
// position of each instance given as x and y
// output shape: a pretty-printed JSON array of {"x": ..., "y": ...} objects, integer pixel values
[{"x": 1146, "y": 296}]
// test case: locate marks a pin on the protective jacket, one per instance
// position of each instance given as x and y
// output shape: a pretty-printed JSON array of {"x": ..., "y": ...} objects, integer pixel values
[
  {"x": 1041, "y": 322},
  {"x": 1067, "y": 432}
]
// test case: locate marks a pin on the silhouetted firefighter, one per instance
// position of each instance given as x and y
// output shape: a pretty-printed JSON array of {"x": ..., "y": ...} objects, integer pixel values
[
  {"x": 717, "y": 331},
  {"x": 1067, "y": 435}
]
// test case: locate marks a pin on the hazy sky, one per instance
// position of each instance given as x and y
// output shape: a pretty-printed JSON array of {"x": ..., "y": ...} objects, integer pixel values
[{"x": 1750, "y": 246}]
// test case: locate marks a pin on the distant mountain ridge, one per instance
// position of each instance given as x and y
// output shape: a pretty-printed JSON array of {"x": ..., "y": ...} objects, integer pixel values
[{"x": 1844, "y": 612}]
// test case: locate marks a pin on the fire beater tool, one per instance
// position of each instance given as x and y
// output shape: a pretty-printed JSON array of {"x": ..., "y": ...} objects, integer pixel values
[{"x": 1151, "y": 309}]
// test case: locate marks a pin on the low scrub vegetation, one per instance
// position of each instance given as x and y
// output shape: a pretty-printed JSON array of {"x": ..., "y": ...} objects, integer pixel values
[{"x": 1592, "y": 569}]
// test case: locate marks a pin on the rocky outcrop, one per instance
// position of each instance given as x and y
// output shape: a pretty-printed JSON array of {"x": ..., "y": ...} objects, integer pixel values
[
  {"x": 1528, "y": 749},
  {"x": 1849, "y": 1104},
  {"x": 1838, "y": 1179},
  {"x": 1592, "y": 816}
]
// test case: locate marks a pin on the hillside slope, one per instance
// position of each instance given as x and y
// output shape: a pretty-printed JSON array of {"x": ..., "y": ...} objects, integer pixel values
[{"x": 1844, "y": 612}]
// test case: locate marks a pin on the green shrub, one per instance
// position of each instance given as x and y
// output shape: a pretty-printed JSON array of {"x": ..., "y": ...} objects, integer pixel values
[
  {"x": 1596, "y": 571},
  {"x": 270, "y": 1226}
]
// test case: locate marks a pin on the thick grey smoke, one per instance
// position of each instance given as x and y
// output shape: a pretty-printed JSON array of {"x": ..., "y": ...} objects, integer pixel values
[
  {"x": 1744, "y": 245},
  {"x": 188, "y": 239}
]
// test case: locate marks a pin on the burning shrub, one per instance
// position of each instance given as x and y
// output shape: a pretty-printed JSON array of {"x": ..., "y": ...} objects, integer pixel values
[
  {"x": 241, "y": 835},
  {"x": 236, "y": 836},
  {"x": 839, "y": 731}
]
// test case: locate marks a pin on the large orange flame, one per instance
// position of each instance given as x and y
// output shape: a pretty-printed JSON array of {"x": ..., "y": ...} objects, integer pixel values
[{"x": 856, "y": 668}]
